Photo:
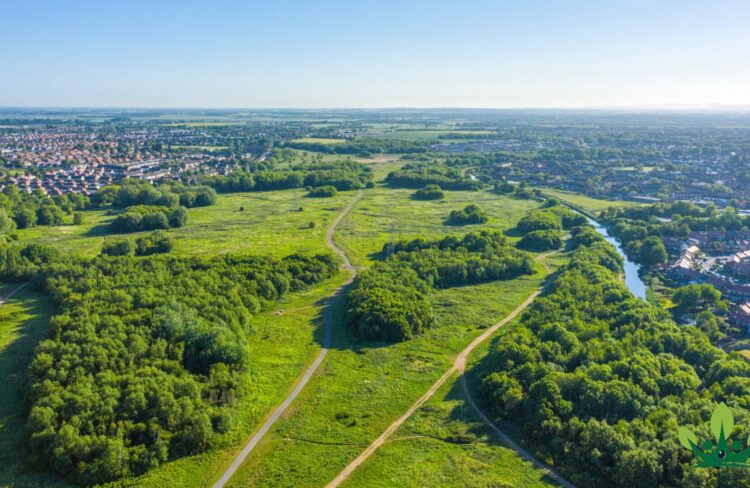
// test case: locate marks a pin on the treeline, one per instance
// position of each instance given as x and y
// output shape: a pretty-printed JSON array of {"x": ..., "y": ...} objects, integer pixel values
[
  {"x": 542, "y": 228},
  {"x": 20, "y": 210},
  {"x": 171, "y": 194},
  {"x": 363, "y": 147},
  {"x": 146, "y": 356},
  {"x": 420, "y": 173},
  {"x": 598, "y": 381},
  {"x": 148, "y": 217},
  {"x": 389, "y": 302},
  {"x": 155, "y": 243},
  {"x": 343, "y": 175}
]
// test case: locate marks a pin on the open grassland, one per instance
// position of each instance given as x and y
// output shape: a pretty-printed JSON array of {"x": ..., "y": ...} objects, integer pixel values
[
  {"x": 446, "y": 444},
  {"x": 586, "y": 203},
  {"x": 24, "y": 321},
  {"x": 362, "y": 387},
  {"x": 267, "y": 225},
  {"x": 386, "y": 214}
]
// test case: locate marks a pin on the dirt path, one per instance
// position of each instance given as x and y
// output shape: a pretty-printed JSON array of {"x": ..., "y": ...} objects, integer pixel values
[
  {"x": 10, "y": 295},
  {"x": 255, "y": 439},
  {"x": 458, "y": 366}
]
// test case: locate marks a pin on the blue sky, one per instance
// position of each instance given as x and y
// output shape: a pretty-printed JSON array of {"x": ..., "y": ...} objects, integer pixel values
[{"x": 437, "y": 53}]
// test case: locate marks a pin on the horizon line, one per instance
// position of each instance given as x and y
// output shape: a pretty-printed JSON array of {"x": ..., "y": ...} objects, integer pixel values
[{"x": 626, "y": 108}]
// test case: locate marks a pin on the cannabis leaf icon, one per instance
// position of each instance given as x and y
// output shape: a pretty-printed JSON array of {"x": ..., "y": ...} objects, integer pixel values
[{"x": 722, "y": 453}]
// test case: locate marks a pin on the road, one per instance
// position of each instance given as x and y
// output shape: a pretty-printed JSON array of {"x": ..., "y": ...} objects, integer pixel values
[
  {"x": 256, "y": 438},
  {"x": 459, "y": 365}
]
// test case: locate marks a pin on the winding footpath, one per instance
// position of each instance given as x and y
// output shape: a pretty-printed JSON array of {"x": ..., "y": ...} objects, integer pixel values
[
  {"x": 256, "y": 438},
  {"x": 459, "y": 365}
]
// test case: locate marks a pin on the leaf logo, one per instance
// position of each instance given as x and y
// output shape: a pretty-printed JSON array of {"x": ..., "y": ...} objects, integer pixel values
[{"x": 720, "y": 454}]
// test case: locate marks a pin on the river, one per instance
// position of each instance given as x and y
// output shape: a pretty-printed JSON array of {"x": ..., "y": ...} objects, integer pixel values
[{"x": 634, "y": 282}]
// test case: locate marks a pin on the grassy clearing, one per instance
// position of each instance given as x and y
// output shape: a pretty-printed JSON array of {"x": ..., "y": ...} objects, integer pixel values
[
  {"x": 24, "y": 320},
  {"x": 267, "y": 225},
  {"x": 385, "y": 214},
  {"x": 362, "y": 387},
  {"x": 424, "y": 451},
  {"x": 587, "y": 203}
]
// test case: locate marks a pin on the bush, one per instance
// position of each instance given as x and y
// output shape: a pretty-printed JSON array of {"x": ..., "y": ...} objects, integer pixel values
[
  {"x": 471, "y": 214},
  {"x": 78, "y": 218},
  {"x": 124, "y": 247},
  {"x": 429, "y": 192},
  {"x": 322, "y": 191},
  {"x": 539, "y": 220},
  {"x": 541, "y": 240}
]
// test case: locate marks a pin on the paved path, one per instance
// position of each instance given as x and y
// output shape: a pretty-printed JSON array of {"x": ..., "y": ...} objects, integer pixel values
[
  {"x": 255, "y": 439},
  {"x": 459, "y": 365},
  {"x": 9, "y": 295}
]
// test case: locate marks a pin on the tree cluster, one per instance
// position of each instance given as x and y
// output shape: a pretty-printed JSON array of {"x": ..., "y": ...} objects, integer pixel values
[
  {"x": 418, "y": 174},
  {"x": 389, "y": 302},
  {"x": 145, "y": 357},
  {"x": 148, "y": 217},
  {"x": 599, "y": 380},
  {"x": 470, "y": 214}
]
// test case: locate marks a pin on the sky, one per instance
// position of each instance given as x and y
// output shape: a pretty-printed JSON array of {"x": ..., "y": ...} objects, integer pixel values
[{"x": 362, "y": 53}]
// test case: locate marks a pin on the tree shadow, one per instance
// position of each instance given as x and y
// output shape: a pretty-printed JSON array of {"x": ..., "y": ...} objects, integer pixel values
[{"x": 15, "y": 359}]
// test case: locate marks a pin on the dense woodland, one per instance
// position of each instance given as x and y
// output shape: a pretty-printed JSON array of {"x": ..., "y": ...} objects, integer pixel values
[
  {"x": 390, "y": 301},
  {"x": 343, "y": 175},
  {"x": 418, "y": 174},
  {"x": 598, "y": 381},
  {"x": 19, "y": 210},
  {"x": 144, "y": 357}
]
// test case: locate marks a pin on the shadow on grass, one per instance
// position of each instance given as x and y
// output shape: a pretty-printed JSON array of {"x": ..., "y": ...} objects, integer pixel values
[
  {"x": 465, "y": 413},
  {"x": 15, "y": 358}
]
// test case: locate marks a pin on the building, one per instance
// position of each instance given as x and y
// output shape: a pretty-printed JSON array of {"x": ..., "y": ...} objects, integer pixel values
[
  {"x": 739, "y": 264},
  {"x": 740, "y": 315}
]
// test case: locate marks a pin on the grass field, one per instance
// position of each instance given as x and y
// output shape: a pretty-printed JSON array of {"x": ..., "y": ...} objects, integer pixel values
[
  {"x": 362, "y": 387},
  {"x": 266, "y": 226},
  {"x": 587, "y": 203},
  {"x": 424, "y": 451},
  {"x": 385, "y": 214},
  {"x": 23, "y": 322}
]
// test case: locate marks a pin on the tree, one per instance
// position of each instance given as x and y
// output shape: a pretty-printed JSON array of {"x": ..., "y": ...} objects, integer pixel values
[
  {"x": 652, "y": 251},
  {"x": 78, "y": 218},
  {"x": 7, "y": 225}
]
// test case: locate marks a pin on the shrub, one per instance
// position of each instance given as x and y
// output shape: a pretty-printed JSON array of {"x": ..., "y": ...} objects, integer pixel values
[
  {"x": 541, "y": 240},
  {"x": 471, "y": 214},
  {"x": 429, "y": 192},
  {"x": 322, "y": 191}
]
